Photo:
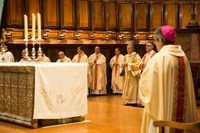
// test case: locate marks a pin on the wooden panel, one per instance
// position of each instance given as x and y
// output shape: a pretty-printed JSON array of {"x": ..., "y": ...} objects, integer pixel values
[
  {"x": 70, "y": 51},
  {"x": 15, "y": 13},
  {"x": 171, "y": 14},
  {"x": 156, "y": 11},
  {"x": 67, "y": 12},
  {"x": 106, "y": 53},
  {"x": 98, "y": 15},
  {"x": 197, "y": 11},
  {"x": 185, "y": 14},
  {"x": 52, "y": 53},
  {"x": 84, "y": 16},
  {"x": 141, "y": 11},
  {"x": 51, "y": 13},
  {"x": 125, "y": 16},
  {"x": 33, "y": 8},
  {"x": 140, "y": 49},
  {"x": 111, "y": 16}
]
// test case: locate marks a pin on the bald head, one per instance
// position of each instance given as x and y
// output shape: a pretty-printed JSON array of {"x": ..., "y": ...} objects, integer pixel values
[{"x": 61, "y": 54}]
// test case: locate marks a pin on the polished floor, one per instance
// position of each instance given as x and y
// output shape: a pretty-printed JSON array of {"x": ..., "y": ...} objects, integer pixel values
[{"x": 106, "y": 114}]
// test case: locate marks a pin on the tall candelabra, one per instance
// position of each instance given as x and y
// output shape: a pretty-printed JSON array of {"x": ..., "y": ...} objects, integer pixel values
[
  {"x": 39, "y": 49},
  {"x": 3, "y": 57},
  {"x": 26, "y": 48},
  {"x": 33, "y": 50},
  {"x": 33, "y": 40},
  {"x": 3, "y": 52}
]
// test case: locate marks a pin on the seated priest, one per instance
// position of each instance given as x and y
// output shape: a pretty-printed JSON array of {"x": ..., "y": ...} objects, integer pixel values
[
  {"x": 24, "y": 58},
  {"x": 43, "y": 58},
  {"x": 7, "y": 56},
  {"x": 62, "y": 57}
]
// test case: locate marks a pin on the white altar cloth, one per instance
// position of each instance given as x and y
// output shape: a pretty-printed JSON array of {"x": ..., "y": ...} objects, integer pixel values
[{"x": 60, "y": 89}]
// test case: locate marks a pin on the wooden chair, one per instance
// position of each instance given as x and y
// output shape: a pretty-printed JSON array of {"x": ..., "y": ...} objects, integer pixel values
[{"x": 175, "y": 125}]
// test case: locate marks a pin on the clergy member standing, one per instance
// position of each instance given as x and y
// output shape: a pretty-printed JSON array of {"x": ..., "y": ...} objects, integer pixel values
[
  {"x": 145, "y": 59},
  {"x": 117, "y": 81},
  {"x": 130, "y": 66},
  {"x": 97, "y": 72},
  {"x": 80, "y": 56},
  {"x": 166, "y": 85},
  {"x": 62, "y": 57},
  {"x": 150, "y": 53}
]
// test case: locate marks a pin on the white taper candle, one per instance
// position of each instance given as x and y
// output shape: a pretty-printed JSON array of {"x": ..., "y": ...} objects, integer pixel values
[
  {"x": 25, "y": 28},
  {"x": 39, "y": 26},
  {"x": 33, "y": 26}
]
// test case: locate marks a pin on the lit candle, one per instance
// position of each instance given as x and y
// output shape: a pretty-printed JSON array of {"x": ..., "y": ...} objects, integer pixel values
[
  {"x": 25, "y": 28},
  {"x": 39, "y": 26},
  {"x": 33, "y": 26}
]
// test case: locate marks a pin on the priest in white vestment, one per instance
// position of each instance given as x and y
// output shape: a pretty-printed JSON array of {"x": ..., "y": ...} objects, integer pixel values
[
  {"x": 150, "y": 53},
  {"x": 24, "y": 58},
  {"x": 80, "y": 56},
  {"x": 63, "y": 58},
  {"x": 7, "y": 56},
  {"x": 97, "y": 72},
  {"x": 43, "y": 58},
  {"x": 130, "y": 65},
  {"x": 117, "y": 81},
  {"x": 166, "y": 85}
]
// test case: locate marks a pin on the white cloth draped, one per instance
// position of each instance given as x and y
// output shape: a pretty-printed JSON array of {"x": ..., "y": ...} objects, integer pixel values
[{"x": 60, "y": 90}]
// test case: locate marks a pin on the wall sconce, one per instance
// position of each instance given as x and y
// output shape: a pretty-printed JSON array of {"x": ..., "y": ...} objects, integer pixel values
[
  {"x": 120, "y": 37},
  {"x": 106, "y": 37},
  {"x": 29, "y": 36},
  {"x": 135, "y": 36},
  {"x": 45, "y": 35},
  {"x": 62, "y": 36},
  {"x": 150, "y": 36},
  {"x": 92, "y": 36},
  {"x": 77, "y": 36},
  {"x": 8, "y": 35}
]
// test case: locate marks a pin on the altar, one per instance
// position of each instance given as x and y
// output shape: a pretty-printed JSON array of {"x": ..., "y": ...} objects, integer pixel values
[{"x": 29, "y": 92}]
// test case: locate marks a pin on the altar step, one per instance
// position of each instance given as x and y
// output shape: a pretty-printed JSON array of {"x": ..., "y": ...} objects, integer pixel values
[{"x": 50, "y": 122}]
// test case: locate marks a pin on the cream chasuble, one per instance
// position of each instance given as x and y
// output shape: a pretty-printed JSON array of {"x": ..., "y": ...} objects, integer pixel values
[
  {"x": 117, "y": 81},
  {"x": 147, "y": 57},
  {"x": 65, "y": 59},
  {"x": 97, "y": 74},
  {"x": 130, "y": 90},
  {"x": 8, "y": 57},
  {"x": 28, "y": 59},
  {"x": 166, "y": 90},
  {"x": 44, "y": 59},
  {"x": 80, "y": 58}
]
